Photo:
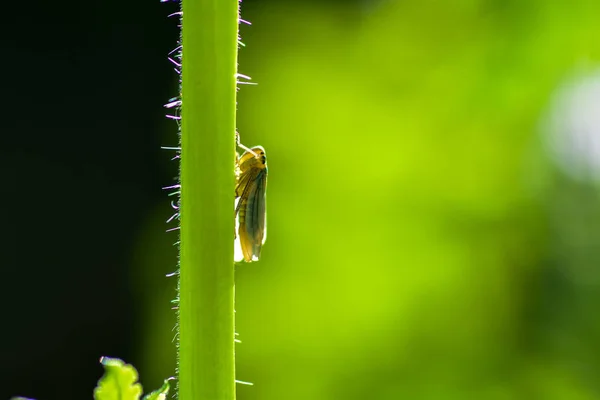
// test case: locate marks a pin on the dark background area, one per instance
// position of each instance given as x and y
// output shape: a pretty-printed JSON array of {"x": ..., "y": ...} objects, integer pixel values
[{"x": 81, "y": 166}]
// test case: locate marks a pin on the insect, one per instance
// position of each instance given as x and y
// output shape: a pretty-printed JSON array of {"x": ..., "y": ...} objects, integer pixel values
[{"x": 250, "y": 208}]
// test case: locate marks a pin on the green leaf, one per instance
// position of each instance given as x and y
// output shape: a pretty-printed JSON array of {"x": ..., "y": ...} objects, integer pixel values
[
  {"x": 160, "y": 394},
  {"x": 119, "y": 381}
]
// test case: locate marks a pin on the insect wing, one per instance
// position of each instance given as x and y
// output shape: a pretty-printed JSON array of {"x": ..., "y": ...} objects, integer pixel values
[
  {"x": 242, "y": 186},
  {"x": 250, "y": 205},
  {"x": 251, "y": 212},
  {"x": 238, "y": 254},
  {"x": 244, "y": 182},
  {"x": 256, "y": 213}
]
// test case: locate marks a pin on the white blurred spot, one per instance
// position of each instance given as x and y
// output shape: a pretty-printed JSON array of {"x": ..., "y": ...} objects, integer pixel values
[{"x": 573, "y": 128}]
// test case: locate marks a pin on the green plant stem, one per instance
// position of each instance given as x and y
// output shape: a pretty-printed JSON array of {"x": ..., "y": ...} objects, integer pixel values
[{"x": 206, "y": 286}]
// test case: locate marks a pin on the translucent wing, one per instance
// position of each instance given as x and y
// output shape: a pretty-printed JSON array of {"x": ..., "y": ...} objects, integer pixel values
[
  {"x": 251, "y": 211},
  {"x": 242, "y": 184},
  {"x": 250, "y": 205}
]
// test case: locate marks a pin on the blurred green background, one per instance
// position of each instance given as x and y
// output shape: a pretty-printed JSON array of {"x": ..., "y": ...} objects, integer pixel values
[
  {"x": 424, "y": 241},
  {"x": 433, "y": 203}
]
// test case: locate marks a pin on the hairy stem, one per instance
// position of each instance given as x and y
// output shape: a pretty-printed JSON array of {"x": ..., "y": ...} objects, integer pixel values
[{"x": 206, "y": 287}]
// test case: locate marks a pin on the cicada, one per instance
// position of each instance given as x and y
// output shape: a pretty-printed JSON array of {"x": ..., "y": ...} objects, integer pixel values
[{"x": 251, "y": 207}]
